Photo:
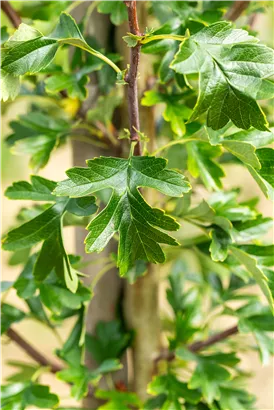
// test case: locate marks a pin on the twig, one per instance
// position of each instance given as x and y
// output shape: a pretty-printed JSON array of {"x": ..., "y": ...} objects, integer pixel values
[
  {"x": 131, "y": 77},
  {"x": 236, "y": 10},
  {"x": 197, "y": 346},
  {"x": 12, "y": 14},
  {"x": 32, "y": 352}
]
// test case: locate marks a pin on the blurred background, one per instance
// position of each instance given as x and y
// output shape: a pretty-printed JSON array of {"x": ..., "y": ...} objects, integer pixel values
[{"x": 16, "y": 168}]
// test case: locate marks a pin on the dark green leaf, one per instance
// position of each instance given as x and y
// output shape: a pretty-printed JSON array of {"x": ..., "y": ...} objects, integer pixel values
[
  {"x": 116, "y": 9},
  {"x": 126, "y": 211},
  {"x": 201, "y": 163},
  {"x": 230, "y": 76},
  {"x": 40, "y": 189},
  {"x": 264, "y": 176},
  {"x": 9, "y": 315},
  {"x": 108, "y": 342},
  {"x": 74, "y": 84}
]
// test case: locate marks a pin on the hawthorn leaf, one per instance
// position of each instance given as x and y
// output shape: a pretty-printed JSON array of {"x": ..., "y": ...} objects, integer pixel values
[
  {"x": 254, "y": 137},
  {"x": 108, "y": 342},
  {"x": 40, "y": 189},
  {"x": 244, "y": 151},
  {"x": 24, "y": 284},
  {"x": 36, "y": 230},
  {"x": 252, "y": 229},
  {"x": 232, "y": 67},
  {"x": 22, "y": 395},
  {"x": 175, "y": 111},
  {"x": 221, "y": 240},
  {"x": 251, "y": 264},
  {"x": 201, "y": 163},
  {"x": 209, "y": 372},
  {"x": 126, "y": 211},
  {"x": 74, "y": 84},
  {"x": 23, "y": 33},
  {"x": 116, "y": 9},
  {"x": 84, "y": 206},
  {"x": 104, "y": 109},
  {"x": 46, "y": 227},
  {"x": 169, "y": 385},
  {"x": 264, "y": 176},
  {"x": 39, "y": 148},
  {"x": 4, "y": 34},
  {"x": 9, "y": 86},
  {"x": 9, "y": 315},
  {"x": 30, "y": 56},
  {"x": 37, "y": 134}
]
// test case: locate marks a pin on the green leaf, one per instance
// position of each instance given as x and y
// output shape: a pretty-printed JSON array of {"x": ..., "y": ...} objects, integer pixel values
[
  {"x": 36, "y": 230},
  {"x": 24, "y": 371},
  {"x": 22, "y": 395},
  {"x": 118, "y": 397},
  {"x": 127, "y": 212},
  {"x": 232, "y": 67},
  {"x": 210, "y": 372},
  {"x": 46, "y": 227},
  {"x": 4, "y": 34},
  {"x": 253, "y": 229},
  {"x": 104, "y": 109},
  {"x": 169, "y": 385},
  {"x": 9, "y": 315},
  {"x": 74, "y": 84},
  {"x": 37, "y": 134},
  {"x": 251, "y": 264},
  {"x": 201, "y": 163},
  {"x": 23, "y": 33},
  {"x": 40, "y": 189},
  {"x": 81, "y": 376},
  {"x": 116, "y": 9},
  {"x": 175, "y": 111},
  {"x": 221, "y": 240},
  {"x": 244, "y": 151},
  {"x": 35, "y": 54},
  {"x": 84, "y": 206},
  {"x": 30, "y": 56},
  {"x": 108, "y": 342},
  {"x": 10, "y": 86},
  {"x": 264, "y": 176},
  {"x": 24, "y": 284},
  {"x": 39, "y": 148}
]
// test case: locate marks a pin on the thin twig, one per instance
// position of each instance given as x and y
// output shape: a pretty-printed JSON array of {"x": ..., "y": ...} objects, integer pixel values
[
  {"x": 32, "y": 352},
  {"x": 236, "y": 10},
  {"x": 198, "y": 346},
  {"x": 12, "y": 14},
  {"x": 131, "y": 77}
]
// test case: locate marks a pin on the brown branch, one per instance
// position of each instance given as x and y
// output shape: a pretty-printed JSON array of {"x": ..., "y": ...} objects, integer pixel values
[
  {"x": 12, "y": 14},
  {"x": 236, "y": 10},
  {"x": 197, "y": 346},
  {"x": 131, "y": 77},
  {"x": 32, "y": 352}
]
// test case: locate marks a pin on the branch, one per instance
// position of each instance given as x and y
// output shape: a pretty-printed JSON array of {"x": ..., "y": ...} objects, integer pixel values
[
  {"x": 236, "y": 10},
  {"x": 131, "y": 77},
  {"x": 197, "y": 346},
  {"x": 32, "y": 352},
  {"x": 12, "y": 14}
]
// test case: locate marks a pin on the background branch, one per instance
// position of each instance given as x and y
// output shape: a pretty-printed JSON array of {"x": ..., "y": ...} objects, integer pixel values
[
  {"x": 12, "y": 14},
  {"x": 197, "y": 346},
  {"x": 32, "y": 352},
  {"x": 236, "y": 10}
]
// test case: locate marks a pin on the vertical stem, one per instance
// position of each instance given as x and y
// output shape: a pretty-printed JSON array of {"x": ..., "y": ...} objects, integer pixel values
[
  {"x": 12, "y": 14},
  {"x": 131, "y": 78},
  {"x": 141, "y": 298}
]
